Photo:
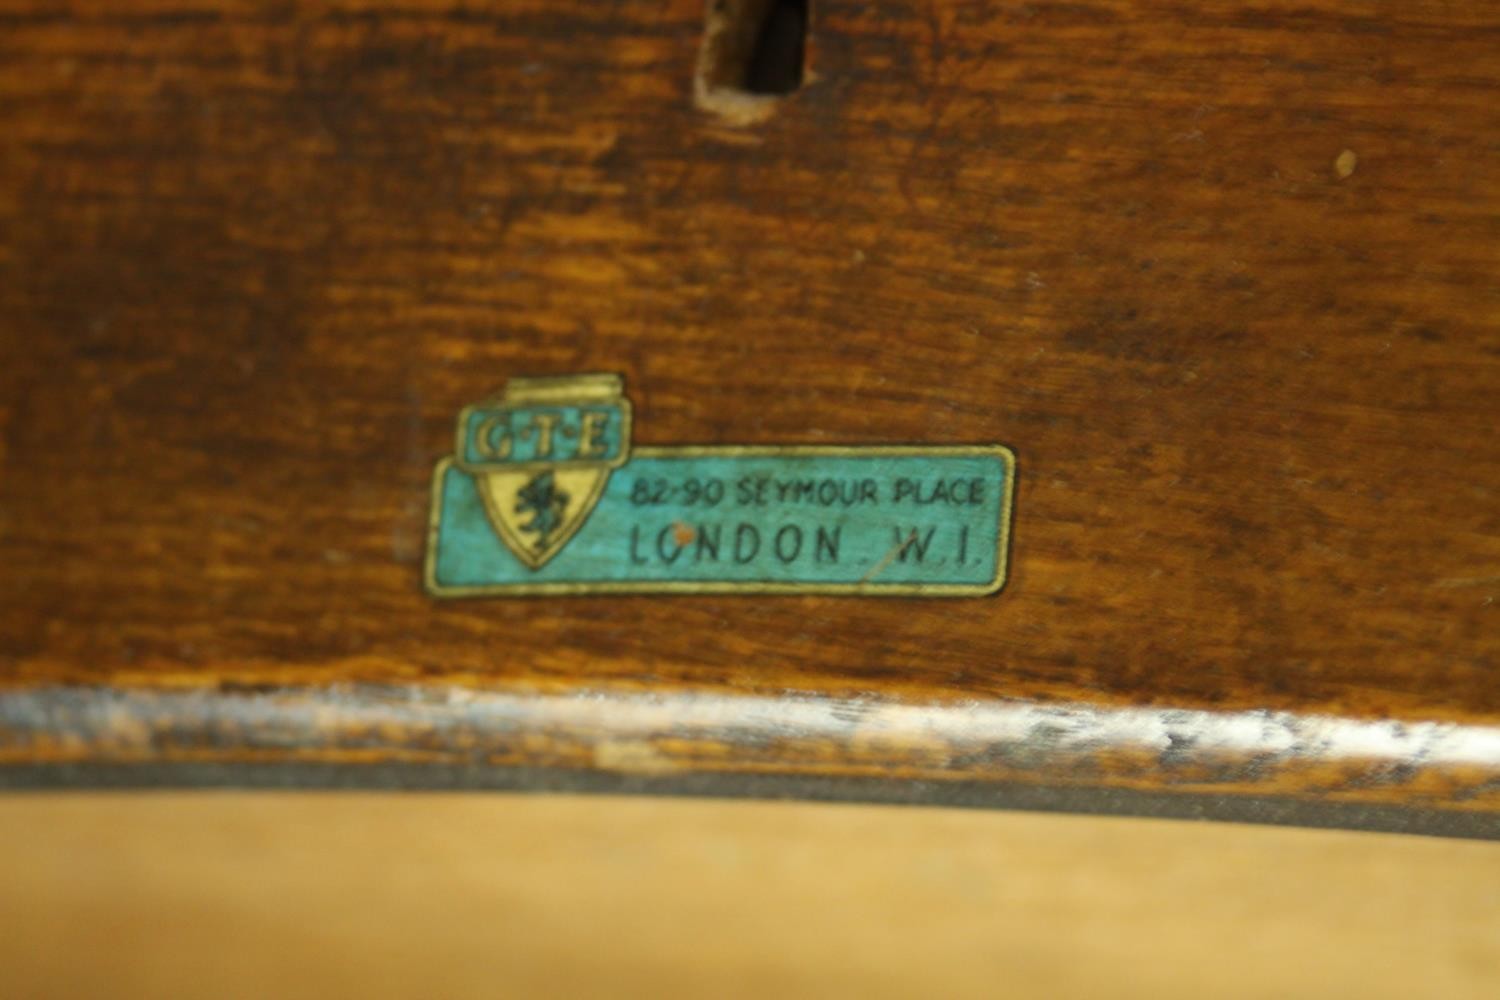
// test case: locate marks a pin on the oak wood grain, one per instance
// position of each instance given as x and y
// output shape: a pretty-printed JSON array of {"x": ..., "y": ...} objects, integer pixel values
[{"x": 1222, "y": 274}]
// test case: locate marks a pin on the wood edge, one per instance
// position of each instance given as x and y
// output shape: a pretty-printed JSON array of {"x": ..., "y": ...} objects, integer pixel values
[
  {"x": 1083, "y": 801},
  {"x": 778, "y": 746}
]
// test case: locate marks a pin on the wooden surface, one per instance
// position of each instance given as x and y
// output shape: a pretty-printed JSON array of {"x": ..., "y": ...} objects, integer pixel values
[
  {"x": 1222, "y": 275},
  {"x": 226, "y": 896}
]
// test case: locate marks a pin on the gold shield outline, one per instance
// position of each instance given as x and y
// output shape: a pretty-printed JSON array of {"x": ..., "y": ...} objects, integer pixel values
[{"x": 586, "y": 478}]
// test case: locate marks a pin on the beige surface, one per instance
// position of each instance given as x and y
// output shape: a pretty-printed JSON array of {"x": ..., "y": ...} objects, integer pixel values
[{"x": 259, "y": 895}]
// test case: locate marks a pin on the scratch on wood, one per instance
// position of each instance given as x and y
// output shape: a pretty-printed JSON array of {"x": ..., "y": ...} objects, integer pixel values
[{"x": 897, "y": 550}]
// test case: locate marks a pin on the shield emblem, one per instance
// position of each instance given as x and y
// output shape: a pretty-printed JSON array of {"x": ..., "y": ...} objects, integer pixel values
[{"x": 541, "y": 455}]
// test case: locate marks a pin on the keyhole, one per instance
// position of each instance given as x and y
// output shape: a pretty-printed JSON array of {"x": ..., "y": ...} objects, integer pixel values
[
  {"x": 754, "y": 54},
  {"x": 776, "y": 60}
]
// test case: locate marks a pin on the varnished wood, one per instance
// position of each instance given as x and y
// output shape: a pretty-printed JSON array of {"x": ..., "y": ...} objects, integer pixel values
[{"x": 1223, "y": 277}]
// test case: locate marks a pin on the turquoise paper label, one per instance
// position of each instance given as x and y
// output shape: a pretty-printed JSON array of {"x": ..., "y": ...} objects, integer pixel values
[{"x": 540, "y": 509}]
